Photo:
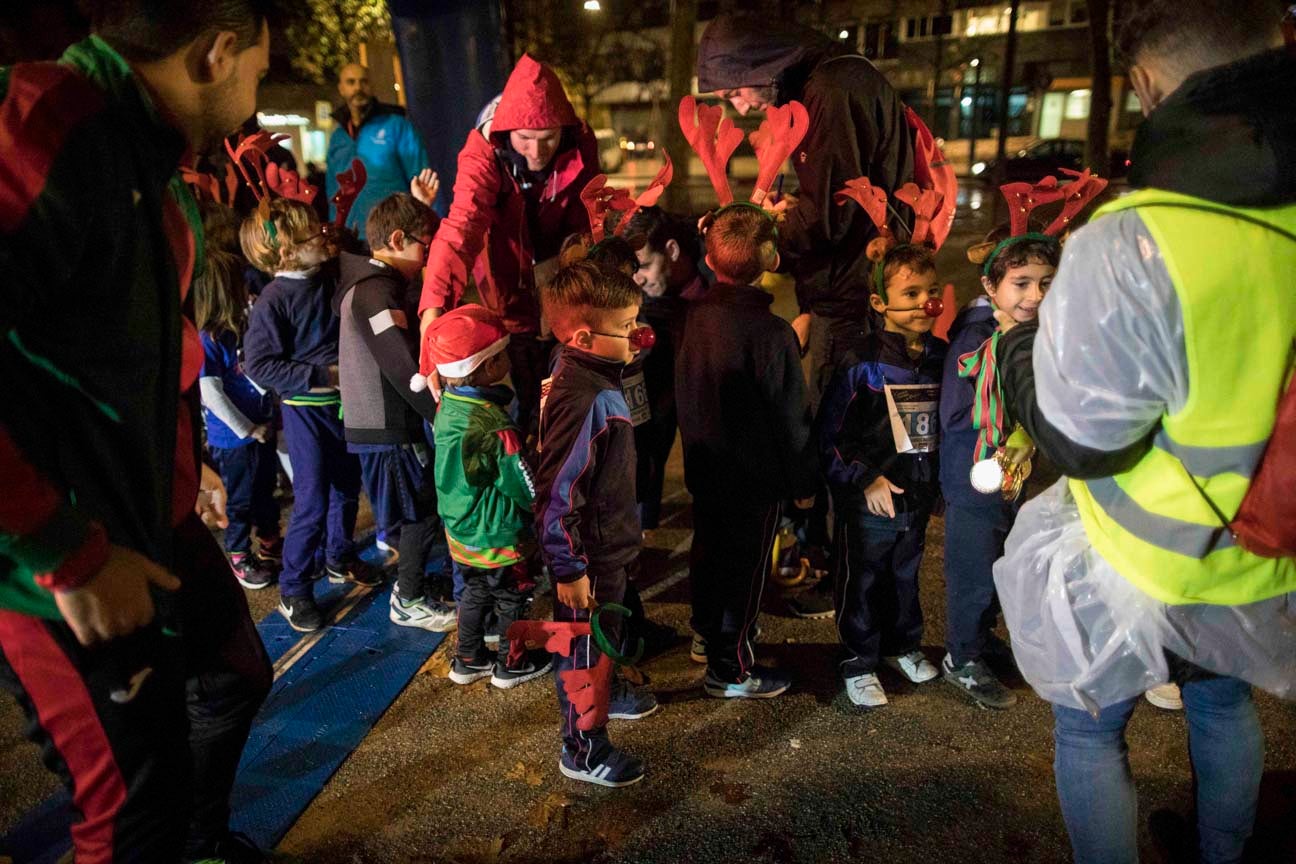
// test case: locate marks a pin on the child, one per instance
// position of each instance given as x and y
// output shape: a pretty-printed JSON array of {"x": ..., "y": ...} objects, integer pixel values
[
  {"x": 239, "y": 418},
  {"x": 745, "y": 426},
  {"x": 976, "y": 524},
  {"x": 586, "y": 517},
  {"x": 485, "y": 491},
  {"x": 292, "y": 346},
  {"x": 378, "y": 356},
  {"x": 877, "y": 432}
]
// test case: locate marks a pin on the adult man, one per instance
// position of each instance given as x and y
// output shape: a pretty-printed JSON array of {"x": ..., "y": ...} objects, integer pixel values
[
  {"x": 99, "y": 239},
  {"x": 668, "y": 252},
  {"x": 1152, "y": 381},
  {"x": 517, "y": 197},
  {"x": 857, "y": 129},
  {"x": 381, "y": 137}
]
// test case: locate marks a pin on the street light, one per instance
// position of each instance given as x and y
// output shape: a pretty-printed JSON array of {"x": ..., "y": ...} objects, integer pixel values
[
  {"x": 976, "y": 61},
  {"x": 972, "y": 114},
  {"x": 845, "y": 34},
  {"x": 593, "y": 6}
]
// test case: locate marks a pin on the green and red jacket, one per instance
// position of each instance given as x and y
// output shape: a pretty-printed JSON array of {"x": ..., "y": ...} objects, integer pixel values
[
  {"x": 99, "y": 240},
  {"x": 484, "y": 487}
]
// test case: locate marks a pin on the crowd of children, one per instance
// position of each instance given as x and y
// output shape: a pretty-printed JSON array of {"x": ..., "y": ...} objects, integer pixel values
[{"x": 328, "y": 356}]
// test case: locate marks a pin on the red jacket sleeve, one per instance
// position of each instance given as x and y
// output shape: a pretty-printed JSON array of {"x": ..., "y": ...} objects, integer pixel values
[{"x": 462, "y": 234}]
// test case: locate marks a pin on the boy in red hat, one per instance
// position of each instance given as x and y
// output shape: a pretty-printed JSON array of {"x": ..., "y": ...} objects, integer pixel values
[{"x": 484, "y": 490}]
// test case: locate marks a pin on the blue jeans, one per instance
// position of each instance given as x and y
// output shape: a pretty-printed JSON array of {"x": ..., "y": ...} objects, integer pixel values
[
  {"x": 1096, "y": 789},
  {"x": 249, "y": 474}
]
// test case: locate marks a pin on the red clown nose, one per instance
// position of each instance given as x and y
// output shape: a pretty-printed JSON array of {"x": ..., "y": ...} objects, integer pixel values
[
  {"x": 933, "y": 307},
  {"x": 642, "y": 338}
]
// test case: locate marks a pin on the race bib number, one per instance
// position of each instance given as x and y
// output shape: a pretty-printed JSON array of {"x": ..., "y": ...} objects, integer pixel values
[
  {"x": 635, "y": 391},
  {"x": 915, "y": 417}
]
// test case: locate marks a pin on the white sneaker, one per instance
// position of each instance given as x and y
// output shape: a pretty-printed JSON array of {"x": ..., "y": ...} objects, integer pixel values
[
  {"x": 424, "y": 614},
  {"x": 1167, "y": 697},
  {"x": 866, "y": 691},
  {"x": 914, "y": 666}
]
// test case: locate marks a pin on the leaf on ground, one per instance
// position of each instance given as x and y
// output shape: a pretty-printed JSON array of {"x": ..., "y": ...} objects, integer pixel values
[
  {"x": 553, "y": 809},
  {"x": 731, "y": 793},
  {"x": 529, "y": 776},
  {"x": 477, "y": 850},
  {"x": 634, "y": 675},
  {"x": 438, "y": 665}
]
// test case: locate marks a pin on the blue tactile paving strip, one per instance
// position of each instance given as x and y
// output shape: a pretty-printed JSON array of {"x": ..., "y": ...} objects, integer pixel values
[{"x": 322, "y": 705}]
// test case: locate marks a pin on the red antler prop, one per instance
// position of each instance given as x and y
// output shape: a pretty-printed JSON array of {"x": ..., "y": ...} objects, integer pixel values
[
  {"x": 714, "y": 138},
  {"x": 287, "y": 184},
  {"x": 870, "y": 197},
  {"x": 651, "y": 195},
  {"x": 925, "y": 203},
  {"x": 209, "y": 185},
  {"x": 254, "y": 149},
  {"x": 599, "y": 198},
  {"x": 350, "y": 182},
  {"x": 1024, "y": 198},
  {"x": 778, "y": 135}
]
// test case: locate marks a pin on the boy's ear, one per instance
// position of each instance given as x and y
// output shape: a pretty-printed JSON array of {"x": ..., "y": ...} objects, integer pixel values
[
  {"x": 672, "y": 251},
  {"x": 583, "y": 338},
  {"x": 778, "y": 259},
  {"x": 396, "y": 239},
  {"x": 988, "y": 285},
  {"x": 879, "y": 305},
  {"x": 710, "y": 265}
]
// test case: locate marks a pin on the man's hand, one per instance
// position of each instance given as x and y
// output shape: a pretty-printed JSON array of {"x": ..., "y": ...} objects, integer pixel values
[
  {"x": 116, "y": 600},
  {"x": 425, "y": 185},
  {"x": 779, "y": 209},
  {"x": 260, "y": 433},
  {"x": 210, "y": 505},
  {"x": 576, "y": 595},
  {"x": 878, "y": 497},
  {"x": 801, "y": 326}
]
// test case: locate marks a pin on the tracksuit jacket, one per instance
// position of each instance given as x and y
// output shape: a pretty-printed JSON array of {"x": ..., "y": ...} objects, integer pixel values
[{"x": 585, "y": 503}]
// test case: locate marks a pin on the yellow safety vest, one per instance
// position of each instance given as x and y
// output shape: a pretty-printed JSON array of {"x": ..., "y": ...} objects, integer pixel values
[{"x": 1235, "y": 277}]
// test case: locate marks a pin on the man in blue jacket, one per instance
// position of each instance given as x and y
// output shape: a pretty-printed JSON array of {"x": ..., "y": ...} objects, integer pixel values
[{"x": 380, "y": 136}]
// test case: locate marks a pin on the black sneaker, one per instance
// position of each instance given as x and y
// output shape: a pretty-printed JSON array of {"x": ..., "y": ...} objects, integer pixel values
[
  {"x": 463, "y": 672},
  {"x": 250, "y": 572},
  {"x": 813, "y": 603},
  {"x": 270, "y": 551},
  {"x": 628, "y": 702},
  {"x": 976, "y": 680},
  {"x": 760, "y": 683},
  {"x": 615, "y": 768},
  {"x": 356, "y": 571},
  {"x": 303, "y": 613},
  {"x": 233, "y": 848},
  {"x": 533, "y": 665}
]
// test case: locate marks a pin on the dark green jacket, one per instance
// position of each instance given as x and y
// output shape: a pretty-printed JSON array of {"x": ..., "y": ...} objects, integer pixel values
[{"x": 90, "y": 321}]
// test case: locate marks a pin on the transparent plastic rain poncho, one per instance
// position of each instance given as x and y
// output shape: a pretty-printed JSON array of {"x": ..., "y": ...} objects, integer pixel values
[{"x": 1109, "y": 363}]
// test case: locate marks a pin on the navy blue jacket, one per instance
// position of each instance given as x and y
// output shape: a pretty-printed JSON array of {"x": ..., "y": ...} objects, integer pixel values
[
  {"x": 586, "y": 515},
  {"x": 853, "y": 428},
  {"x": 292, "y": 335}
]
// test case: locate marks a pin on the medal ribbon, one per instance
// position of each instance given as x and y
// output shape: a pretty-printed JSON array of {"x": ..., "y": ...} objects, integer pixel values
[{"x": 987, "y": 406}]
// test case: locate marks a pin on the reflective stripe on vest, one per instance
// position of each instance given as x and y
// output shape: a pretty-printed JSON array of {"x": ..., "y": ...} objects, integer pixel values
[{"x": 1161, "y": 523}]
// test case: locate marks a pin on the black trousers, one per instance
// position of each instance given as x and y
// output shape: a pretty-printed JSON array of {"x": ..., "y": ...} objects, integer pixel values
[
  {"x": 402, "y": 479},
  {"x": 502, "y": 590},
  {"x": 529, "y": 358},
  {"x": 875, "y": 576},
  {"x": 730, "y": 557},
  {"x": 146, "y": 731}
]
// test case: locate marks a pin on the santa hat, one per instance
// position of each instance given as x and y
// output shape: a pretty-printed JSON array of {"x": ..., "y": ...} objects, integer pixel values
[{"x": 458, "y": 342}]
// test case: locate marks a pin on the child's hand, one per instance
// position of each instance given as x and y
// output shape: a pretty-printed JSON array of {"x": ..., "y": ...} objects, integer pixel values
[
  {"x": 260, "y": 433},
  {"x": 1006, "y": 321},
  {"x": 801, "y": 327},
  {"x": 576, "y": 595},
  {"x": 334, "y": 378},
  {"x": 804, "y": 503},
  {"x": 878, "y": 497},
  {"x": 425, "y": 185},
  {"x": 210, "y": 504}
]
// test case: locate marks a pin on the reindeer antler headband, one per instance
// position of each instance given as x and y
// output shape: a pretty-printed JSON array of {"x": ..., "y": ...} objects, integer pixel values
[
  {"x": 1024, "y": 198},
  {"x": 925, "y": 203},
  {"x": 715, "y": 138},
  {"x": 600, "y": 199}
]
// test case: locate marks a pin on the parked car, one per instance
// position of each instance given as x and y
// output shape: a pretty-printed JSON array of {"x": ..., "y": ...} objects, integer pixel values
[
  {"x": 1048, "y": 157},
  {"x": 609, "y": 148}
]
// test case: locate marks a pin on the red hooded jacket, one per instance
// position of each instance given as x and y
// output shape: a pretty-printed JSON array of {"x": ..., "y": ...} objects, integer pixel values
[{"x": 488, "y": 213}]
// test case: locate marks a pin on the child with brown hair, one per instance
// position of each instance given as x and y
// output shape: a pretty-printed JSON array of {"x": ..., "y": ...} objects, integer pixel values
[
  {"x": 239, "y": 420},
  {"x": 586, "y": 518},
  {"x": 292, "y": 346},
  {"x": 745, "y": 427}
]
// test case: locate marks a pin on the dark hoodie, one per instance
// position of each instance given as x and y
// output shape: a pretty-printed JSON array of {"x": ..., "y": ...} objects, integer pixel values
[
  {"x": 1228, "y": 135},
  {"x": 857, "y": 129},
  {"x": 516, "y": 216},
  {"x": 378, "y": 355}
]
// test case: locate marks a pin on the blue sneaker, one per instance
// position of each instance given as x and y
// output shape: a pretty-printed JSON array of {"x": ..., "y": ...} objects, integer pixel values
[
  {"x": 760, "y": 683},
  {"x": 628, "y": 702},
  {"x": 616, "y": 768}
]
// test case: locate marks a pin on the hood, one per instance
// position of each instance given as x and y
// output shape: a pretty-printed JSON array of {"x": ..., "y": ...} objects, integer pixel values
[
  {"x": 1228, "y": 135},
  {"x": 745, "y": 51},
  {"x": 533, "y": 98},
  {"x": 357, "y": 268}
]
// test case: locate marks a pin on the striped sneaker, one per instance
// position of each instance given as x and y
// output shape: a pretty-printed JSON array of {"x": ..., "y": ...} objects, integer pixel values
[
  {"x": 760, "y": 683},
  {"x": 616, "y": 768},
  {"x": 422, "y": 613}
]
